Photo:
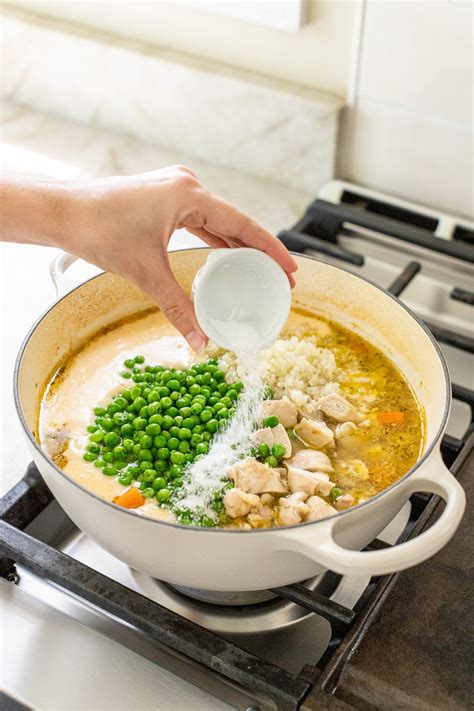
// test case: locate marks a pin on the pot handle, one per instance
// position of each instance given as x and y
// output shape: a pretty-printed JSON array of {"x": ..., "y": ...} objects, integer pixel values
[
  {"x": 323, "y": 549},
  {"x": 61, "y": 262}
]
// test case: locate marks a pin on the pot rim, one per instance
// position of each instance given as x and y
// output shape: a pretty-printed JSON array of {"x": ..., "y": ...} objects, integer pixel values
[{"x": 299, "y": 526}]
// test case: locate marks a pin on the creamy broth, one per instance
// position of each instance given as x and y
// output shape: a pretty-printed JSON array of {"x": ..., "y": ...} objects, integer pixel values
[{"x": 92, "y": 376}]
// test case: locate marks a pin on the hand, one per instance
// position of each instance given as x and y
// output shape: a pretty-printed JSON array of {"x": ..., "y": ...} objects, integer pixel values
[{"x": 124, "y": 224}]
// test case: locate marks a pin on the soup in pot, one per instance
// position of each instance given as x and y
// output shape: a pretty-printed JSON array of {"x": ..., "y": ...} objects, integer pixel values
[{"x": 135, "y": 417}]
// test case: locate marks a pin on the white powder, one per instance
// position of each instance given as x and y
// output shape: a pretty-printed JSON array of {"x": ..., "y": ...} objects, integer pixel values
[{"x": 208, "y": 474}]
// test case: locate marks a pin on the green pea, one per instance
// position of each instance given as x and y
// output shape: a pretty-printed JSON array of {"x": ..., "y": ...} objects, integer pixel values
[
  {"x": 129, "y": 363},
  {"x": 271, "y": 421},
  {"x": 125, "y": 479},
  {"x": 107, "y": 424},
  {"x": 144, "y": 412},
  {"x": 272, "y": 461},
  {"x": 135, "y": 392},
  {"x": 163, "y": 495},
  {"x": 207, "y": 436},
  {"x": 291, "y": 433},
  {"x": 335, "y": 492},
  {"x": 219, "y": 375},
  {"x": 166, "y": 422},
  {"x": 188, "y": 423},
  {"x": 97, "y": 436},
  {"x": 222, "y": 388},
  {"x": 184, "y": 433},
  {"x": 196, "y": 439},
  {"x": 109, "y": 470},
  {"x": 108, "y": 457},
  {"x": 155, "y": 419},
  {"x": 160, "y": 465},
  {"x": 212, "y": 426},
  {"x": 133, "y": 471},
  {"x": 119, "y": 452},
  {"x": 278, "y": 451},
  {"x": 184, "y": 446},
  {"x": 99, "y": 411},
  {"x": 163, "y": 453},
  {"x": 146, "y": 442},
  {"x": 139, "y": 359},
  {"x": 176, "y": 470},
  {"x": 166, "y": 402},
  {"x": 223, "y": 413},
  {"x": 127, "y": 430},
  {"x": 139, "y": 423},
  {"x": 195, "y": 409},
  {"x": 153, "y": 429},
  {"x": 92, "y": 428},
  {"x": 178, "y": 420},
  {"x": 111, "y": 439},
  {"x": 145, "y": 455},
  {"x": 174, "y": 396},
  {"x": 149, "y": 476},
  {"x": 205, "y": 416},
  {"x": 263, "y": 451},
  {"x": 174, "y": 431},
  {"x": 137, "y": 378},
  {"x": 173, "y": 443},
  {"x": 177, "y": 457},
  {"x": 202, "y": 448},
  {"x": 238, "y": 386},
  {"x": 148, "y": 492},
  {"x": 138, "y": 403},
  {"x": 159, "y": 483},
  {"x": 195, "y": 389},
  {"x": 153, "y": 398},
  {"x": 174, "y": 384},
  {"x": 89, "y": 456}
]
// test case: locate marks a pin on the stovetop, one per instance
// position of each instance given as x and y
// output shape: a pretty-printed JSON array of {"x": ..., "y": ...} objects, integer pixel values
[{"x": 398, "y": 641}]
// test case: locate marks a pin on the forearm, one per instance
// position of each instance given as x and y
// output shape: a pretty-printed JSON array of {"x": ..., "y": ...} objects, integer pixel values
[{"x": 35, "y": 209}]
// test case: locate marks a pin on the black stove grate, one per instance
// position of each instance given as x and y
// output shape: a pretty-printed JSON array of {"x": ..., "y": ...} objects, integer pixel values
[{"x": 235, "y": 666}]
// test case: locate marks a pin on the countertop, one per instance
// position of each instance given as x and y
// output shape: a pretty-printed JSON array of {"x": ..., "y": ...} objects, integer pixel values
[{"x": 35, "y": 142}]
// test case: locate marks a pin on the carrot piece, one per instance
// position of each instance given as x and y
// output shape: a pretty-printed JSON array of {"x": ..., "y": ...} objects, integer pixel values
[
  {"x": 130, "y": 499},
  {"x": 391, "y": 418}
]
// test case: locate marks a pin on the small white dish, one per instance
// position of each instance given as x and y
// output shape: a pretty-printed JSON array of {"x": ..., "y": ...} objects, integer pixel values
[{"x": 245, "y": 287}]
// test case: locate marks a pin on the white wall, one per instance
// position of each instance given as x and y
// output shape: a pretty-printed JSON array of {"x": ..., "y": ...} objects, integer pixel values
[
  {"x": 409, "y": 130},
  {"x": 317, "y": 56}
]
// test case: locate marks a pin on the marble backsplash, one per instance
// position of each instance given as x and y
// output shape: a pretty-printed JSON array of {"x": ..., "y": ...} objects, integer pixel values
[{"x": 262, "y": 128}]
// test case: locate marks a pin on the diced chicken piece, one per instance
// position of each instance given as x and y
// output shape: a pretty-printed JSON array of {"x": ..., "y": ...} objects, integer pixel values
[
  {"x": 345, "y": 431},
  {"x": 318, "y": 508},
  {"x": 317, "y": 434},
  {"x": 311, "y": 460},
  {"x": 344, "y": 502},
  {"x": 261, "y": 517},
  {"x": 267, "y": 499},
  {"x": 309, "y": 482},
  {"x": 311, "y": 411},
  {"x": 292, "y": 510},
  {"x": 265, "y": 436},
  {"x": 238, "y": 503},
  {"x": 280, "y": 436},
  {"x": 338, "y": 408},
  {"x": 284, "y": 409},
  {"x": 274, "y": 435},
  {"x": 256, "y": 478}
]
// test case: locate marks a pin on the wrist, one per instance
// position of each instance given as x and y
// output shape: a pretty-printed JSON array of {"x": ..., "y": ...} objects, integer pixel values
[{"x": 35, "y": 209}]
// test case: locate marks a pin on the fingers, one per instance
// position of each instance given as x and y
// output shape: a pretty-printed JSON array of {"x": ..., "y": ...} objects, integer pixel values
[
  {"x": 173, "y": 302},
  {"x": 227, "y": 222}
]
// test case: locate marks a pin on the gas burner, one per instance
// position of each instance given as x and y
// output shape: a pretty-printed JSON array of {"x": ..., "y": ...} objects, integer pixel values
[{"x": 233, "y": 613}]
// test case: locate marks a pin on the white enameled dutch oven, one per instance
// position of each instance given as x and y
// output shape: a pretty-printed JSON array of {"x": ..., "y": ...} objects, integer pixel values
[{"x": 230, "y": 560}]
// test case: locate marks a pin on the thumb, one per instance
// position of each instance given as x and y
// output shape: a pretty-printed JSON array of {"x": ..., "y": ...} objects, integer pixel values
[{"x": 178, "y": 309}]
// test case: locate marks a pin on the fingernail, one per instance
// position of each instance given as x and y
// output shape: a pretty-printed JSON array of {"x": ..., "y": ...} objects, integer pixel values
[{"x": 196, "y": 341}]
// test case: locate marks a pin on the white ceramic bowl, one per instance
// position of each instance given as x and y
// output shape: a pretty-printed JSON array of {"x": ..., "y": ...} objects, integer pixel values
[{"x": 242, "y": 287}]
